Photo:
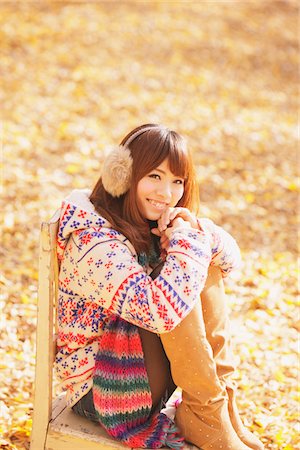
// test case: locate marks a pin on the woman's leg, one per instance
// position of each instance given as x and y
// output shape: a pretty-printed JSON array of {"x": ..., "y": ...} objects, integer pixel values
[
  {"x": 203, "y": 415},
  {"x": 215, "y": 315},
  {"x": 157, "y": 366},
  {"x": 85, "y": 407}
]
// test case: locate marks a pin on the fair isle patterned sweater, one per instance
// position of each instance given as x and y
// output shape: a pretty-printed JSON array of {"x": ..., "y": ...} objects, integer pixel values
[{"x": 100, "y": 276}]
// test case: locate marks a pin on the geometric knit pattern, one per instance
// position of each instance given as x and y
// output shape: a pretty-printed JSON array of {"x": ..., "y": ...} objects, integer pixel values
[
  {"x": 121, "y": 392},
  {"x": 100, "y": 276}
]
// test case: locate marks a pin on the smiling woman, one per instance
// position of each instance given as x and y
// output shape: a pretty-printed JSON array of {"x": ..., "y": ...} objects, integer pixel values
[
  {"x": 159, "y": 190},
  {"x": 150, "y": 146},
  {"x": 141, "y": 311}
]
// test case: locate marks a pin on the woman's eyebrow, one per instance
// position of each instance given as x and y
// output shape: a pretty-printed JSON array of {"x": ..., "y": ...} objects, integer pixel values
[{"x": 164, "y": 173}]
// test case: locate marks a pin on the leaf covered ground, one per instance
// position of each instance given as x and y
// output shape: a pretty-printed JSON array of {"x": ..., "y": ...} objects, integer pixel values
[{"x": 76, "y": 76}]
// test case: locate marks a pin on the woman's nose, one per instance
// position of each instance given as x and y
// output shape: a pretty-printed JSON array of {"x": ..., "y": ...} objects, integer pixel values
[{"x": 165, "y": 190}]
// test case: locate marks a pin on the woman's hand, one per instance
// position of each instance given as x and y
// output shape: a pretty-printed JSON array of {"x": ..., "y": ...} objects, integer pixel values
[
  {"x": 166, "y": 234},
  {"x": 171, "y": 219},
  {"x": 170, "y": 214},
  {"x": 178, "y": 222}
]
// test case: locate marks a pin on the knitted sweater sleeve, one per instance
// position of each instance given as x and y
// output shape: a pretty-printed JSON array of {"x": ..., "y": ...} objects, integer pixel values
[
  {"x": 225, "y": 251},
  {"x": 111, "y": 277}
]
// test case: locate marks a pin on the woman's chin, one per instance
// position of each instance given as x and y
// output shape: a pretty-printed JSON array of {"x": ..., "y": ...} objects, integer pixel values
[
  {"x": 153, "y": 217},
  {"x": 154, "y": 213}
]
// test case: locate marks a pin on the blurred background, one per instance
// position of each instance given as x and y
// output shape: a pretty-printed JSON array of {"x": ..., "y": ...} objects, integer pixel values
[{"x": 77, "y": 76}]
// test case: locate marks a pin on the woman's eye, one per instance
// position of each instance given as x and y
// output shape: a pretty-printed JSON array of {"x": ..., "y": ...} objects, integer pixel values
[
  {"x": 179, "y": 181},
  {"x": 155, "y": 176}
]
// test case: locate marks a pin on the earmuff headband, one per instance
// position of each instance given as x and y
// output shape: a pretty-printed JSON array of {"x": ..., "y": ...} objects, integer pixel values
[{"x": 117, "y": 167}]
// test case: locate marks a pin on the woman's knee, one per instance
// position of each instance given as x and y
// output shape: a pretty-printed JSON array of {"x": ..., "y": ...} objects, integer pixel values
[{"x": 214, "y": 279}]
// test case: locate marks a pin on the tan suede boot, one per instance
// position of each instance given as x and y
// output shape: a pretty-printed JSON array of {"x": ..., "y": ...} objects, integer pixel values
[
  {"x": 203, "y": 416},
  {"x": 215, "y": 314}
]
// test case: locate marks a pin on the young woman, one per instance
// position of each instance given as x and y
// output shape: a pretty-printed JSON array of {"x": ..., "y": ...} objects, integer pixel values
[{"x": 141, "y": 297}]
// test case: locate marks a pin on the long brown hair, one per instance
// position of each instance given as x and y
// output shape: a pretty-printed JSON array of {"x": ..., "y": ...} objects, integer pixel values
[{"x": 148, "y": 150}]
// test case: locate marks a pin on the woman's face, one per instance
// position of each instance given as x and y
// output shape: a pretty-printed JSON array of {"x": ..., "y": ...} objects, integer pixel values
[{"x": 158, "y": 190}]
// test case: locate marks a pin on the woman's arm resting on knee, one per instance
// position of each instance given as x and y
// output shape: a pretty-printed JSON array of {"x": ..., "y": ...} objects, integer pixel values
[
  {"x": 111, "y": 277},
  {"x": 225, "y": 251}
]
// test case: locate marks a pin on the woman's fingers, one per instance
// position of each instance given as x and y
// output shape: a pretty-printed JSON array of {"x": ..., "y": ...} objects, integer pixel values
[
  {"x": 164, "y": 219},
  {"x": 171, "y": 219},
  {"x": 170, "y": 214},
  {"x": 164, "y": 242},
  {"x": 174, "y": 213},
  {"x": 179, "y": 222},
  {"x": 156, "y": 231},
  {"x": 167, "y": 217},
  {"x": 187, "y": 215}
]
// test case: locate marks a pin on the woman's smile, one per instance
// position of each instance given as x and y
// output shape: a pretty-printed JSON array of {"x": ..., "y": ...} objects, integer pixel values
[
  {"x": 157, "y": 204},
  {"x": 159, "y": 190}
]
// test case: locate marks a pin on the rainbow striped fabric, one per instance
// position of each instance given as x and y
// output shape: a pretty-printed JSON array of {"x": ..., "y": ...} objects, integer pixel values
[{"x": 121, "y": 391}]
